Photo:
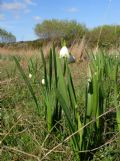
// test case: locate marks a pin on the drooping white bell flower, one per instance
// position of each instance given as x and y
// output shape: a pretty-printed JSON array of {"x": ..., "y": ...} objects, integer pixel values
[
  {"x": 43, "y": 81},
  {"x": 64, "y": 53},
  {"x": 30, "y": 75}
]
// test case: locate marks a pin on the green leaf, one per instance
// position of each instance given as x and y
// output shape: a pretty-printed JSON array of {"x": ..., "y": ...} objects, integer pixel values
[{"x": 26, "y": 81}]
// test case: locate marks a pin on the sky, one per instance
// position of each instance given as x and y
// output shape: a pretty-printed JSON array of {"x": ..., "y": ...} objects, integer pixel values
[{"x": 21, "y": 16}]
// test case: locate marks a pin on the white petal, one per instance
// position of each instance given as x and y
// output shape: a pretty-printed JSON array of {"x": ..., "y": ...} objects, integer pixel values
[
  {"x": 43, "y": 81},
  {"x": 30, "y": 75},
  {"x": 64, "y": 52}
]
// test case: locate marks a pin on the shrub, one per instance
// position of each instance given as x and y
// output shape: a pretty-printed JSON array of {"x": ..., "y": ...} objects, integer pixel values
[{"x": 57, "y": 29}]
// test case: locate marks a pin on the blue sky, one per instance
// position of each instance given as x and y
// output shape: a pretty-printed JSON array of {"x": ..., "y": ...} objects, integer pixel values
[{"x": 21, "y": 16}]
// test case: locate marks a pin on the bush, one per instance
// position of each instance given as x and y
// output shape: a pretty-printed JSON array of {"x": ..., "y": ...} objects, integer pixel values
[
  {"x": 57, "y": 29},
  {"x": 6, "y": 37},
  {"x": 106, "y": 36}
]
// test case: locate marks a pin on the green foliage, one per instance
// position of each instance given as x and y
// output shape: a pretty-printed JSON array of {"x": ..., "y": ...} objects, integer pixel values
[
  {"x": 59, "y": 89},
  {"x": 27, "y": 82},
  {"x": 57, "y": 29},
  {"x": 102, "y": 69},
  {"x": 108, "y": 36},
  {"x": 108, "y": 153},
  {"x": 62, "y": 111},
  {"x": 53, "y": 109},
  {"x": 6, "y": 37}
]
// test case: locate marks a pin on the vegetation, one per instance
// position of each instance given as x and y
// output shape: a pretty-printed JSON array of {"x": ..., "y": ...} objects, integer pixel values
[
  {"x": 108, "y": 35},
  {"x": 105, "y": 37},
  {"x": 60, "y": 29},
  {"x": 62, "y": 117},
  {"x": 6, "y": 37},
  {"x": 59, "y": 120}
]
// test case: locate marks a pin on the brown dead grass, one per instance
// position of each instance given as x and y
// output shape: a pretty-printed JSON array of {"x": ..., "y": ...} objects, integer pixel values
[
  {"x": 77, "y": 49},
  {"x": 22, "y": 52}
]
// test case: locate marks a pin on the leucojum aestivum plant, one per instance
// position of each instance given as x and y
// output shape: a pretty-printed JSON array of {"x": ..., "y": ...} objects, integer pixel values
[{"x": 61, "y": 104}]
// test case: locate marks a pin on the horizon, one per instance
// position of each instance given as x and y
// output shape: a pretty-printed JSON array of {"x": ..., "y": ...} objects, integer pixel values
[{"x": 20, "y": 17}]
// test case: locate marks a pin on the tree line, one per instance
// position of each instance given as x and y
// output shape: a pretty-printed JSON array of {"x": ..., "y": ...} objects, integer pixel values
[
  {"x": 6, "y": 37},
  {"x": 106, "y": 36}
]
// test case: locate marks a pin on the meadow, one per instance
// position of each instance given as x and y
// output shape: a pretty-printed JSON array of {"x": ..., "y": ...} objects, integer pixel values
[{"x": 74, "y": 115}]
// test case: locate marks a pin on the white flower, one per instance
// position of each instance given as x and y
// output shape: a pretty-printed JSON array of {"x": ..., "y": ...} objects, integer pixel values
[
  {"x": 30, "y": 75},
  {"x": 43, "y": 81},
  {"x": 64, "y": 53}
]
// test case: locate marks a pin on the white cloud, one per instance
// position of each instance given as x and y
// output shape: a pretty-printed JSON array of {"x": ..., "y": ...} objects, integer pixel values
[
  {"x": 16, "y": 16},
  {"x": 13, "y": 6},
  {"x": 16, "y": 7},
  {"x": 30, "y": 2},
  {"x": 37, "y": 18},
  {"x": 72, "y": 10},
  {"x": 27, "y": 11},
  {"x": 2, "y": 17}
]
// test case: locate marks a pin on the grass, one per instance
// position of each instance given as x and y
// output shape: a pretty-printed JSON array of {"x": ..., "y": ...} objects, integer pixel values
[{"x": 25, "y": 133}]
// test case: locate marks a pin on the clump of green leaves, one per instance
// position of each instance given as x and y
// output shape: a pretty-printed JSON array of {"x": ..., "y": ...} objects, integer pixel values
[{"x": 88, "y": 131}]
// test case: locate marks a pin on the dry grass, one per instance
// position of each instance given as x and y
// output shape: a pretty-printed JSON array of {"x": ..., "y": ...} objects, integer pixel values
[
  {"x": 77, "y": 49},
  {"x": 22, "y": 52}
]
